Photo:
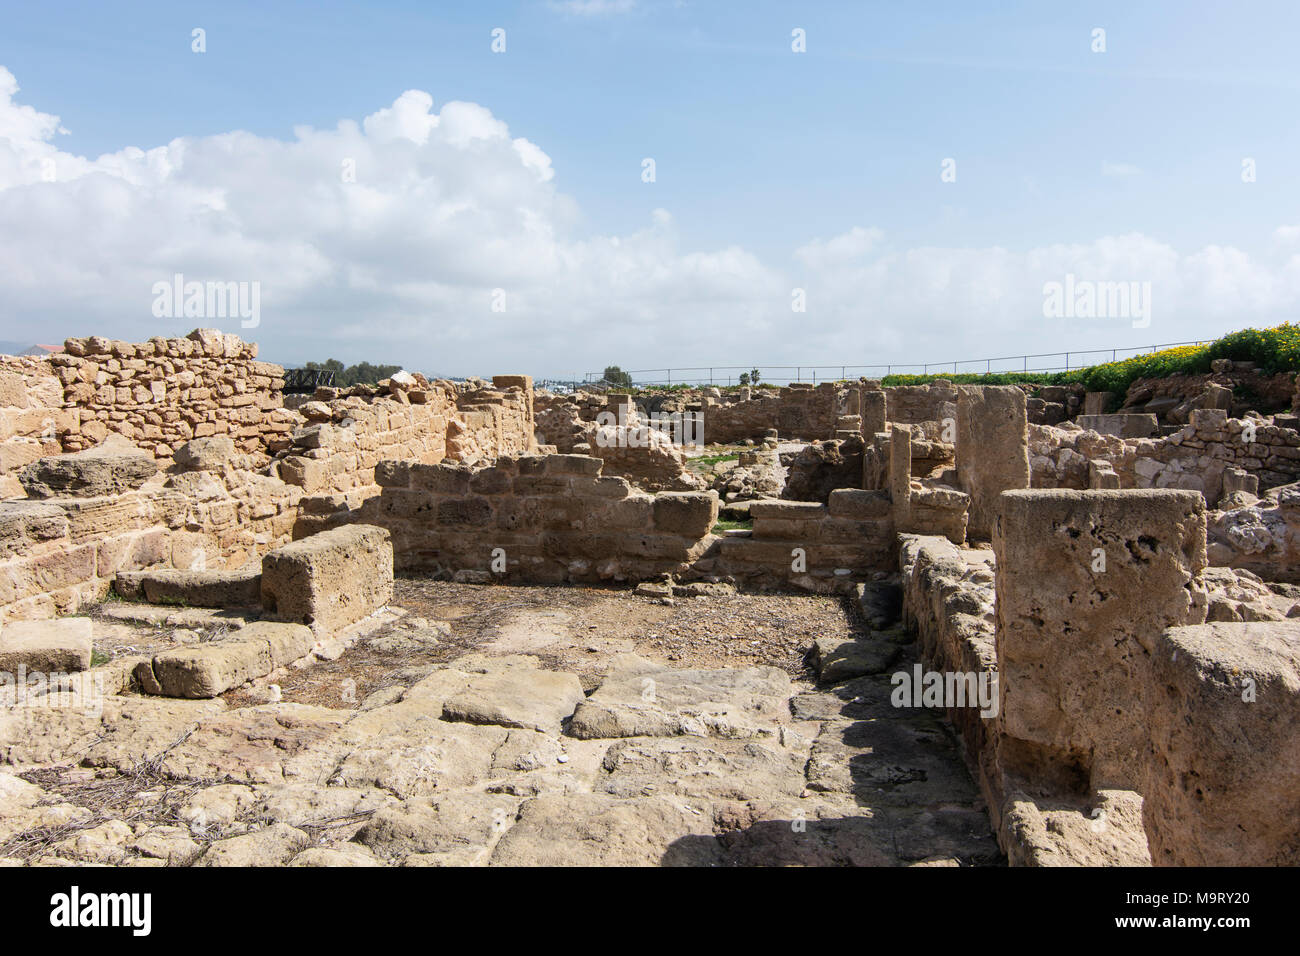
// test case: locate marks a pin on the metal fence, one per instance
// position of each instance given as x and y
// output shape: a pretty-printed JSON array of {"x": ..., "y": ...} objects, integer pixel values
[{"x": 780, "y": 374}]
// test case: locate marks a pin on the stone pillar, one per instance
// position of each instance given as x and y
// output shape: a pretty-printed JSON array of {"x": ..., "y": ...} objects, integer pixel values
[
  {"x": 1238, "y": 479},
  {"x": 1096, "y": 403},
  {"x": 1101, "y": 474},
  {"x": 873, "y": 412},
  {"x": 992, "y": 449},
  {"x": 622, "y": 408},
  {"x": 1087, "y": 581},
  {"x": 900, "y": 473},
  {"x": 1224, "y": 730}
]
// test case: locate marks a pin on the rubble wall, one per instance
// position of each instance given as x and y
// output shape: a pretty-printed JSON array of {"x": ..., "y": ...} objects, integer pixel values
[
  {"x": 1193, "y": 458},
  {"x": 797, "y": 411},
  {"x": 342, "y": 440},
  {"x": 161, "y": 393}
]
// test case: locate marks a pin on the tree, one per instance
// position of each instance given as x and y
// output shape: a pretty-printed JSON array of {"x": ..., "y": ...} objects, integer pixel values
[
  {"x": 754, "y": 376},
  {"x": 361, "y": 374},
  {"x": 744, "y": 378},
  {"x": 615, "y": 377}
]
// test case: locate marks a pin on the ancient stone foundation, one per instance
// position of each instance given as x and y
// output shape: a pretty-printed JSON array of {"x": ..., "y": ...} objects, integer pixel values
[
  {"x": 1129, "y": 591},
  {"x": 1117, "y": 704}
]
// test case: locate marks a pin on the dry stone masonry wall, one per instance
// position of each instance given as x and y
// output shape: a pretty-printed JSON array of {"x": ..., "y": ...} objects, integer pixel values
[{"x": 1135, "y": 600}]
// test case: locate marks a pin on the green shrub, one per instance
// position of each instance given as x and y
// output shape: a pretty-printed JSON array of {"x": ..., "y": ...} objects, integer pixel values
[{"x": 1273, "y": 350}]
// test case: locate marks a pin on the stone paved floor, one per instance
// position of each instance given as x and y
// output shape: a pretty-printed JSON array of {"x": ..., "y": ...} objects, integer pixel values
[{"x": 510, "y": 737}]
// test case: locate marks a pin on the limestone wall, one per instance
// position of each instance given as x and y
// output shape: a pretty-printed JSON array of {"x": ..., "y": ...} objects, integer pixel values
[
  {"x": 32, "y": 416},
  {"x": 339, "y": 443},
  {"x": 554, "y": 518},
  {"x": 1194, "y": 458},
  {"x": 1128, "y": 731},
  {"x": 58, "y": 554},
  {"x": 798, "y": 411},
  {"x": 1086, "y": 583},
  {"x": 913, "y": 404},
  {"x": 809, "y": 545},
  {"x": 161, "y": 393}
]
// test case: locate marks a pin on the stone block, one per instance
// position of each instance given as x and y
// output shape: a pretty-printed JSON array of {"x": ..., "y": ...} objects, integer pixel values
[
  {"x": 688, "y": 513},
  {"x": 111, "y": 467},
  {"x": 855, "y": 503},
  {"x": 1224, "y": 728},
  {"x": 205, "y": 454},
  {"x": 992, "y": 449},
  {"x": 238, "y": 588},
  {"x": 573, "y": 465},
  {"x": 206, "y": 670},
  {"x": 1086, "y": 583},
  {"x": 1121, "y": 425},
  {"x": 59, "y": 646},
  {"x": 788, "y": 510},
  {"x": 330, "y": 579}
]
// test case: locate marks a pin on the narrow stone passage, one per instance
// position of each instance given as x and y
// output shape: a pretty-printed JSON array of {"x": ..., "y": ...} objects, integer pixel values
[{"x": 430, "y": 740}]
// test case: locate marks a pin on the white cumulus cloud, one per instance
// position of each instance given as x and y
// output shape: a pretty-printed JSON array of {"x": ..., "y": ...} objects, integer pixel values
[{"x": 391, "y": 239}]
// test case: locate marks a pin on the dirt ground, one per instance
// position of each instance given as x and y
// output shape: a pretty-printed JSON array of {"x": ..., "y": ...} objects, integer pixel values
[{"x": 569, "y": 628}]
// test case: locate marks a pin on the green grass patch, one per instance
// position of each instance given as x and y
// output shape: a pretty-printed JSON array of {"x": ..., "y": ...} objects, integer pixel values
[
  {"x": 714, "y": 459},
  {"x": 725, "y": 524}
]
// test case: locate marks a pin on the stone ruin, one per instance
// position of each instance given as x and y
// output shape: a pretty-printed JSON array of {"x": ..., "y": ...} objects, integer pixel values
[{"x": 1077, "y": 638}]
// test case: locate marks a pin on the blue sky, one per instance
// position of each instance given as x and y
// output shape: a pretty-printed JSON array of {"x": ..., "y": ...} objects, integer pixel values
[{"x": 758, "y": 150}]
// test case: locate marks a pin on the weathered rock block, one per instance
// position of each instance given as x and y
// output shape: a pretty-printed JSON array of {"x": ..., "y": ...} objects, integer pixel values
[
  {"x": 205, "y": 454},
  {"x": 687, "y": 513},
  {"x": 331, "y": 579},
  {"x": 59, "y": 646},
  {"x": 239, "y": 588},
  {"x": 992, "y": 449},
  {"x": 204, "y": 671},
  {"x": 1224, "y": 725},
  {"x": 1121, "y": 425},
  {"x": 1086, "y": 583},
  {"x": 207, "y": 670},
  {"x": 112, "y": 467}
]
